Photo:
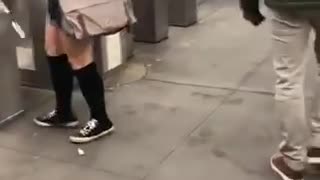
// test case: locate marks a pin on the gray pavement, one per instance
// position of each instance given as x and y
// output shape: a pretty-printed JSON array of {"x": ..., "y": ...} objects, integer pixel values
[{"x": 201, "y": 107}]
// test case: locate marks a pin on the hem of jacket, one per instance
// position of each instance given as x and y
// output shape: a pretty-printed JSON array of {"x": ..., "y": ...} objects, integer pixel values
[{"x": 293, "y": 5}]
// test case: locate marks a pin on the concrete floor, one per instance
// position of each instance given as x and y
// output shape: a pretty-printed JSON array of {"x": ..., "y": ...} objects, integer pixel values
[{"x": 202, "y": 111}]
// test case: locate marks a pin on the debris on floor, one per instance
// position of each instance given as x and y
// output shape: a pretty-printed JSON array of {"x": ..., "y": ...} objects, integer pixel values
[
  {"x": 81, "y": 152},
  {"x": 36, "y": 157},
  {"x": 35, "y": 134},
  {"x": 110, "y": 88}
]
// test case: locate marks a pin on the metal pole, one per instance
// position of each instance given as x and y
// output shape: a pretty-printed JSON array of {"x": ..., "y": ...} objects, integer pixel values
[
  {"x": 183, "y": 12},
  {"x": 10, "y": 96},
  {"x": 152, "y": 16}
]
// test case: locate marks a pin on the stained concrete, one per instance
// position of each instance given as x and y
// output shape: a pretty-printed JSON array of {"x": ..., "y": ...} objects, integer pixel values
[
  {"x": 215, "y": 53},
  {"x": 203, "y": 109},
  {"x": 148, "y": 118}
]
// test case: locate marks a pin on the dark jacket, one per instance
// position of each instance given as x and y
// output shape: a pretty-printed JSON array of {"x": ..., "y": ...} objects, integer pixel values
[
  {"x": 294, "y": 4},
  {"x": 253, "y": 5},
  {"x": 251, "y": 11}
]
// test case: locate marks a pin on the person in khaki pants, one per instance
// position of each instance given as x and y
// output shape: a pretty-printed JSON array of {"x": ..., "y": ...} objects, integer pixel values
[{"x": 292, "y": 24}]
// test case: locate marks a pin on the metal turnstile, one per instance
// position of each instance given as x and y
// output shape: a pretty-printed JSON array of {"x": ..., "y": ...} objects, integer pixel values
[
  {"x": 112, "y": 51},
  {"x": 31, "y": 55},
  {"x": 183, "y": 12},
  {"x": 30, "y": 52},
  {"x": 10, "y": 100},
  {"x": 152, "y": 25}
]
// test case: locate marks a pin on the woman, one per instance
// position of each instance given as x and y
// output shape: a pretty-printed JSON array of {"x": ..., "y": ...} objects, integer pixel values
[{"x": 69, "y": 57}]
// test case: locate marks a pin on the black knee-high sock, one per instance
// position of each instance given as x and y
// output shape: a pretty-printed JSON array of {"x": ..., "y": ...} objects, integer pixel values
[
  {"x": 62, "y": 81},
  {"x": 91, "y": 85}
]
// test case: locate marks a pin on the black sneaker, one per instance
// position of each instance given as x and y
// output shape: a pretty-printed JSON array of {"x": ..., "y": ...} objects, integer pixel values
[
  {"x": 53, "y": 119},
  {"x": 314, "y": 156},
  {"x": 283, "y": 170},
  {"x": 92, "y": 131}
]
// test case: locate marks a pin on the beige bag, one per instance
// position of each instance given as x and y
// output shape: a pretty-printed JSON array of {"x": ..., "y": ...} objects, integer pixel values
[{"x": 88, "y": 18}]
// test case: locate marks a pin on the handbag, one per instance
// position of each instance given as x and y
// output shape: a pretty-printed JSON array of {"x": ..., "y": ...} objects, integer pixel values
[{"x": 88, "y": 18}]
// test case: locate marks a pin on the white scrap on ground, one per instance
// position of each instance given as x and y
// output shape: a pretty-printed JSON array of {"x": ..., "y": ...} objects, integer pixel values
[{"x": 81, "y": 152}]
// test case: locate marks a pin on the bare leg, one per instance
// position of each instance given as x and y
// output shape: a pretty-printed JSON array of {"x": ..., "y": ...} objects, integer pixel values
[
  {"x": 91, "y": 85},
  {"x": 62, "y": 81}
]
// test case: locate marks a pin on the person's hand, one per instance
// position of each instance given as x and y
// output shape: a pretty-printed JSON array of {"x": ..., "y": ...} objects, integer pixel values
[
  {"x": 255, "y": 17},
  {"x": 251, "y": 11}
]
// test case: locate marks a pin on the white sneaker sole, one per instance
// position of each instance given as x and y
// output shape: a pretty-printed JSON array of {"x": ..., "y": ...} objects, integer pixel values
[
  {"x": 79, "y": 140},
  {"x": 68, "y": 125},
  {"x": 312, "y": 160},
  {"x": 278, "y": 171}
]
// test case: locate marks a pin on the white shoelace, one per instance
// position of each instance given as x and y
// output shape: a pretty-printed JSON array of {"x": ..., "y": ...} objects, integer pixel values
[
  {"x": 91, "y": 125},
  {"x": 51, "y": 114}
]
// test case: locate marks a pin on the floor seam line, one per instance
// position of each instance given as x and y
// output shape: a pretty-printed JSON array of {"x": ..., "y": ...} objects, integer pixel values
[
  {"x": 67, "y": 162},
  {"x": 183, "y": 139},
  {"x": 241, "y": 89},
  {"x": 206, "y": 117}
]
